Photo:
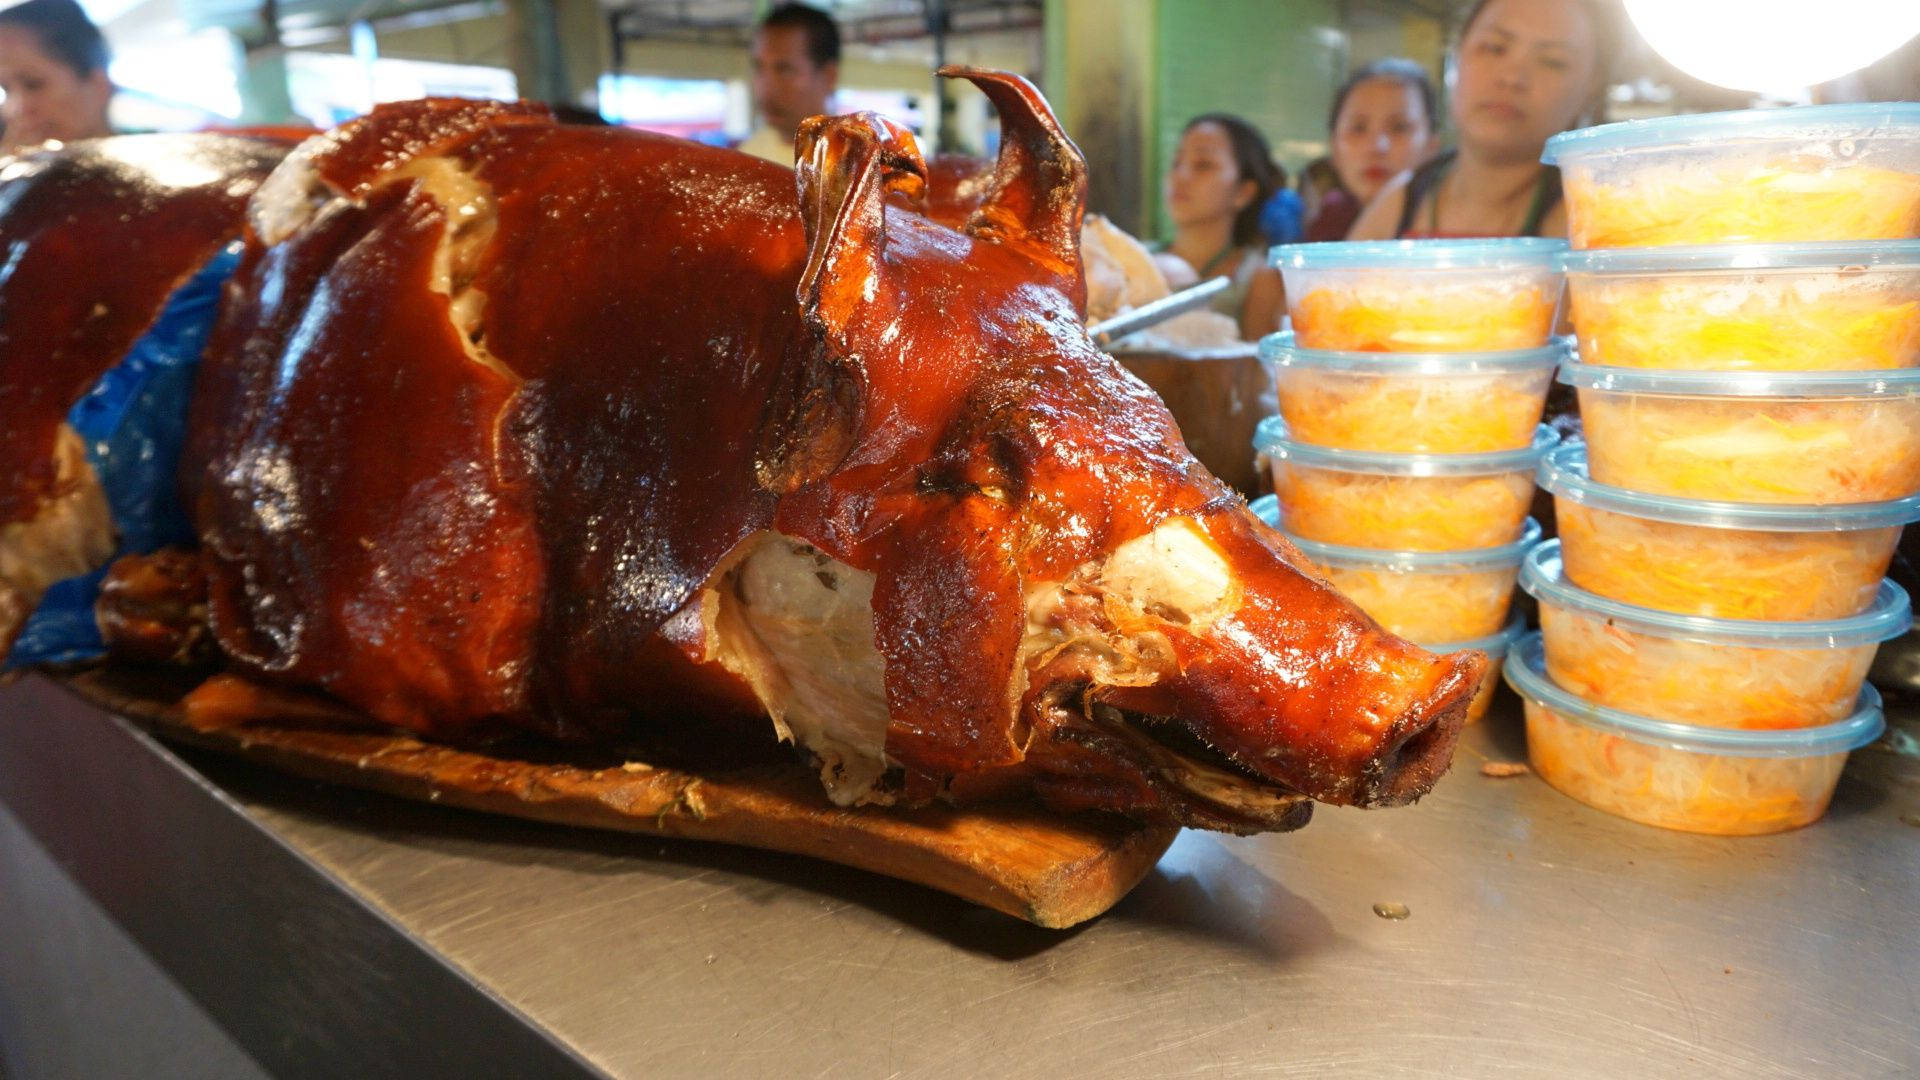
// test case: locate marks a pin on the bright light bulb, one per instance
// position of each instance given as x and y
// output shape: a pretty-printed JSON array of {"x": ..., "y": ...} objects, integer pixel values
[{"x": 1774, "y": 46}]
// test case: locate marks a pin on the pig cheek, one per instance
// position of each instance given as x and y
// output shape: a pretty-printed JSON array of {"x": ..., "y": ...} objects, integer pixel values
[
  {"x": 1242, "y": 689},
  {"x": 950, "y": 600}
]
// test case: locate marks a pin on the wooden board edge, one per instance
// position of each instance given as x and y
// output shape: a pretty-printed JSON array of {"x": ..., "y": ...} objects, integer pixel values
[{"x": 1052, "y": 871}]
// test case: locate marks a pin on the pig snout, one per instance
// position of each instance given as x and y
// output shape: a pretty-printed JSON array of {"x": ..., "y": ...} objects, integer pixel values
[{"x": 1204, "y": 639}]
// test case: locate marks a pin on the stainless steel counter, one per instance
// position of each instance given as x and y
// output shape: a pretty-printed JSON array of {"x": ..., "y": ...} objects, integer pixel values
[{"x": 1544, "y": 939}]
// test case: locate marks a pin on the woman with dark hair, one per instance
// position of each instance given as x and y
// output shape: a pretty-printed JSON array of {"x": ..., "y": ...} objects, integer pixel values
[
  {"x": 53, "y": 68},
  {"x": 1222, "y": 175},
  {"x": 1525, "y": 70},
  {"x": 1382, "y": 123}
]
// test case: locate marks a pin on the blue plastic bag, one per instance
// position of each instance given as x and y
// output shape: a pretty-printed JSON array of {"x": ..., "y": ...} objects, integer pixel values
[
  {"x": 1283, "y": 218},
  {"x": 133, "y": 422}
]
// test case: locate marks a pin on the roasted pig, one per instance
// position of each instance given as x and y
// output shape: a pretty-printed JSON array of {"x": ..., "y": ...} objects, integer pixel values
[
  {"x": 514, "y": 427},
  {"x": 97, "y": 236}
]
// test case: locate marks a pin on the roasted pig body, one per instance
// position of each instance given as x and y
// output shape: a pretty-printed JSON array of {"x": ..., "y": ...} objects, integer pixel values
[
  {"x": 510, "y": 426},
  {"x": 97, "y": 236}
]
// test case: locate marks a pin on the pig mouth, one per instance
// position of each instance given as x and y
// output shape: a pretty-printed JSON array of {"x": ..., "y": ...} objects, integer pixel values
[{"x": 1194, "y": 783}]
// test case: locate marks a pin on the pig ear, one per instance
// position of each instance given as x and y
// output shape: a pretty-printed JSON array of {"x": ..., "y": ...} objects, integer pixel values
[
  {"x": 1039, "y": 187},
  {"x": 847, "y": 166}
]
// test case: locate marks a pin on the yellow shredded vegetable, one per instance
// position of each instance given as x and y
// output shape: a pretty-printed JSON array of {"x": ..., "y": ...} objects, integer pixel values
[
  {"x": 1402, "y": 513},
  {"x": 1694, "y": 682},
  {"x": 1724, "y": 573},
  {"x": 1395, "y": 313},
  {"x": 1808, "y": 322},
  {"x": 1800, "y": 199},
  {"x": 1428, "y": 607},
  {"x": 1755, "y": 449},
  {"x": 1679, "y": 789},
  {"x": 1412, "y": 413}
]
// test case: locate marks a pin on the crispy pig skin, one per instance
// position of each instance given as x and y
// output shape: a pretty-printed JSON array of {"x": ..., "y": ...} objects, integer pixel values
[
  {"x": 506, "y": 528},
  {"x": 359, "y": 531}
]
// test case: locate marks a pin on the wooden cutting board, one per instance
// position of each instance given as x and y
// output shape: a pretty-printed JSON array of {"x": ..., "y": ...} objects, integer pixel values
[{"x": 1050, "y": 870}]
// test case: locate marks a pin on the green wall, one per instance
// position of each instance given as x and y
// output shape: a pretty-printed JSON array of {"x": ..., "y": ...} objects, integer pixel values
[
  {"x": 1274, "y": 62},
  {"x": 1126, "y": 75},
  {"x": 1099, "y": 78}
]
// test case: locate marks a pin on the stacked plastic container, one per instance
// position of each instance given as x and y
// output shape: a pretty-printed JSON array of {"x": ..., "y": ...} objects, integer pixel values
[
  {"x": 1746, "y": 292},
  {"x": 1410, "y": 392}
]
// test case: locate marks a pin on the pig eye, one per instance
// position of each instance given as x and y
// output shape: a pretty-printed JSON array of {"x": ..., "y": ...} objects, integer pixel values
[
  {"x": 984, "y": 482},
  {"x": 989, "y": 465}
]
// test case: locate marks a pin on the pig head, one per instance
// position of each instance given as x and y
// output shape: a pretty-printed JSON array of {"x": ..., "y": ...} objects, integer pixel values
[{"x": 513, "y": 426}]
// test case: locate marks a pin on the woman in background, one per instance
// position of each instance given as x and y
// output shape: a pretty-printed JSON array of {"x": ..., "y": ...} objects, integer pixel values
[
  {"x": 53, "y": 68},
  {"x": 1222, "y": 175},
  {"x": 1382, "y": 123},
  {"x": 1526, "y": 70}
]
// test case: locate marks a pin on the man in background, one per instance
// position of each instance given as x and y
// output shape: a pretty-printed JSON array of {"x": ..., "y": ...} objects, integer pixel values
[{"x": 796, "y": 68}]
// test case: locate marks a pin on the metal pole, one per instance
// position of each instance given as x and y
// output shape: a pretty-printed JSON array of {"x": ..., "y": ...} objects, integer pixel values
[
  {"x": 939, "y": 24},
  {"x": 549, "y": 70}
]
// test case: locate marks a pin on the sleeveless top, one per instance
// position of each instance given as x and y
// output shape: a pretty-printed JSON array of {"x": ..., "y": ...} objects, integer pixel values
[{"x": 1426, "y": 181}]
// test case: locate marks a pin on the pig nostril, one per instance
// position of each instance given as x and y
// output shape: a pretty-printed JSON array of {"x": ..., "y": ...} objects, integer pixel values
[{"x": 1410, "y": 769}]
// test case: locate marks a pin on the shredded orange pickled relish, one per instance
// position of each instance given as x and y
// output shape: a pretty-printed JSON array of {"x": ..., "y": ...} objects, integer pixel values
[
  {"x": 1724, "y": 573},
  {"x": 1412, "y": 413},
  {"x": 1755, "y": 449},
  {"x": 1402, "y": 513},
  {"x": 1814, "y": 322},
  {"x": 1693, "y": 682},
  {"x": 1679, "y": 789},
  {"x": 1399, "y": 313},
  {"x": 1427, "y": 606},
  {"x": 1799, "y": 199}
]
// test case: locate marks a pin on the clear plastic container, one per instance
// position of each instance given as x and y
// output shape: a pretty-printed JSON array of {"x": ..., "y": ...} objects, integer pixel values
[
  {"x": 1401, "y": 502},
  {"x": 1422, "y": 295},
  {"x": 1705, "y": 780},
  {"x": 1723, "y": 559},
  {"x": 1826, "y": 172},
  {"x": 1496, "y": 647},
  {"x": 1743, "y": 436},
  {"x": 1433, "y": 403},
  {"x": 1756, "y": 307},
  {"x": 1423, "y": 596},
  {"x": 1691, "y": 669}
]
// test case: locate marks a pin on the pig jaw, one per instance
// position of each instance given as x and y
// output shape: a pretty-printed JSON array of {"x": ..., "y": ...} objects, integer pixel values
[
  {"x": 1198, "y": 644},
  {"x": 1154, "y": 682},
  {"x": 797, "y": 627}
]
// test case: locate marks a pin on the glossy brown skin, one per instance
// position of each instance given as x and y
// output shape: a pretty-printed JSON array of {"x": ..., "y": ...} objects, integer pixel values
[
  {"x": 484, "y": 549},
  {"x": 98, "y": 235},
  {"x": 152, "y": 609}
]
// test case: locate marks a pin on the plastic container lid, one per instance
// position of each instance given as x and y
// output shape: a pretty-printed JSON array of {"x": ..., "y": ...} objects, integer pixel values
[
  {"x": 1497, "y": 253},
  {"x": 1851, "y": 121},
  {"x": 1543, "y": 577},
  {"x": 1270, "y": 438},
  {"x": 1342, "y": 555},
  {"x": 1849, "y": 255},
  {"x": 1564, "y": 473},
  {"x": 1526, "y": 672},
  {"x": 1279, "y": 349},
  {"x": 1892, "y": 382},
  {"x": 1495, "y": 645}
]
